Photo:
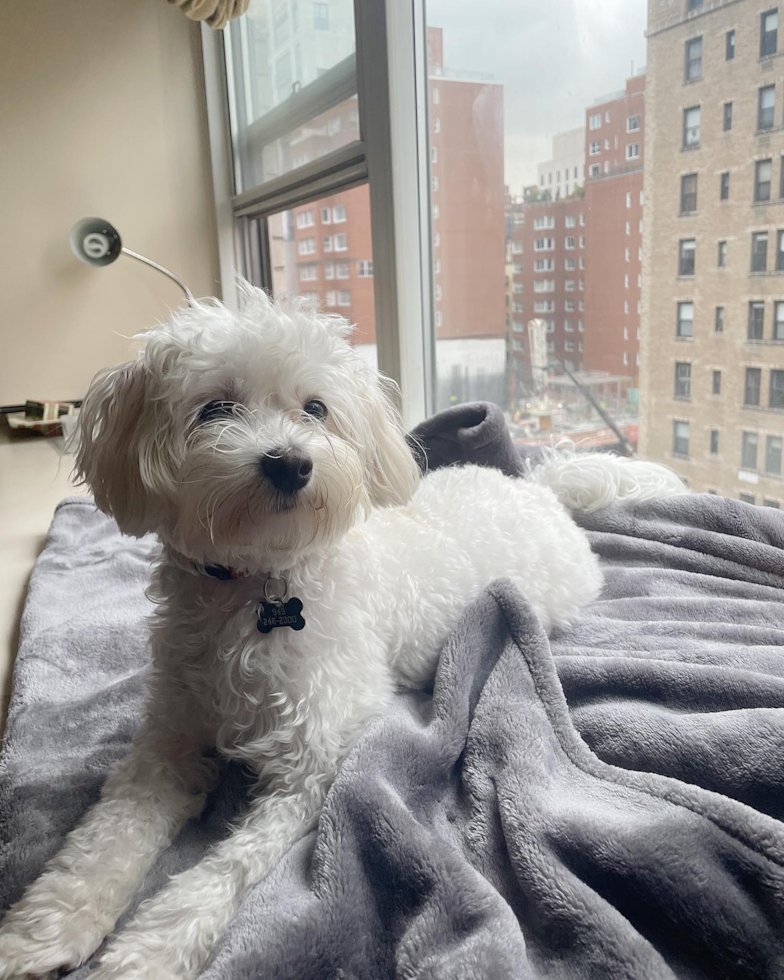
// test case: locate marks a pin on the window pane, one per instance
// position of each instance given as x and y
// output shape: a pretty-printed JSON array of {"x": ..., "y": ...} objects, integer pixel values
[
  {"x": 323, "y": 251},
  {"x": 292, "y": 84}
]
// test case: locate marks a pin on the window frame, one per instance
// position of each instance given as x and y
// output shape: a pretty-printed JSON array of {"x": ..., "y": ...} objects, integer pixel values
[
  {"x": 766, "y": 50},
  {"x": 683, "y": 195},
  {"x": 688, "y": 60}
]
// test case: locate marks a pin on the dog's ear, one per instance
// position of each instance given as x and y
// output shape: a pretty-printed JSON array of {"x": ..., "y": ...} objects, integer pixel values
[
  {"x": 112, "y": 456},
  {"x": 393, "y": 474}
]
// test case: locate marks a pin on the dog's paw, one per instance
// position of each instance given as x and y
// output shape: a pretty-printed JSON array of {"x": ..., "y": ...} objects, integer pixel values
[{"x": 46, "y": 942}]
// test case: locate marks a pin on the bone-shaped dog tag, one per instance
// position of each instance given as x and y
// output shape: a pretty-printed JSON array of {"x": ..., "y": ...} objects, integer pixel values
[{"x": 275, "y": 615}]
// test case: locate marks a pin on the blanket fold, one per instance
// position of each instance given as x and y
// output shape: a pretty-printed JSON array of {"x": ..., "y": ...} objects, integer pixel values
[{"x": 605, "y": 804}]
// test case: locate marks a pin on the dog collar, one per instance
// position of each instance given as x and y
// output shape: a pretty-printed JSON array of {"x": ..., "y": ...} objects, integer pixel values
[{"x": 276, "y": 609}]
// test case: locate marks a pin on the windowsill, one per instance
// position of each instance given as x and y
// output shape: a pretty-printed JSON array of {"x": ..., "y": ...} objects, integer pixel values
[
  {"x": 685, "y": 276},
  {"x": 768, "y": 130},
  {"x": 684, "y": 456},
  {"x": 683, "y": 339},
  {"x": 767, "y": 204},
  {"x": 687, "y": 214},
  {"x": 693, "y": 81},
  {"x": 763, "y": 342},
  {"x": 682, "y": 398},
  {"x": 688, "y": 149},
  {"x": 766, "y": 272}
]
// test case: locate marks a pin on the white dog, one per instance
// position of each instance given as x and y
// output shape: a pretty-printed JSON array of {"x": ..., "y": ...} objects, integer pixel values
[{"x": 306, "y": 572}]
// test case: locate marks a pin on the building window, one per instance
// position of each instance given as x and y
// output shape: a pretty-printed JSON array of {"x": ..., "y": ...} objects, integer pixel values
[
  {"x": 627, "y": 254},
  {"x": 341, "y": 270},
  {"x": 321, "y": 16},
  {"x": 778, "y": 321},
  {"x": 517, "y": 248},
  {"x": 776, "y": 399},
  {"x": 518, "y": 267},
  {"x": 595, "y": 121},
  {"x": 437, "y": 125},
  {"x": 727, "y": 117},
  {"x": 517, "y": 326},
  {"x": 341, "y": 242},
  {"x": 729, "y": 45},
  {"x": 544, "y": 265},
  {"x": 769, "y": 28},
  {"x": 306, "y": 246},
  {"x": 571, "y": 221},
  {"x": 719, "y": 322},
  {"x": 305, "y": 219},
  {"x": 724, "y": 186},
  {"x": 581, "y": 262},
  {"x": 748, "y": 450},
  {"x": 771, "y": 503},
  {"x": 437, "y": 239},
  {"x": 595, "y": 148},
  {"x": 594, "y": 170},
  {"x": 308, "y": 273},
  {"x": 682, "y": 380},
  {"x": 434, "y": 183},
  {"x": 695, "y": 5},
  {"x": 569, "y": 285},
  {"x": 439, "y": 318},
  {"x": 434, "y": 154},
  {"x": 326, "y": 243},
  {"x": 717, "y": 382},
  {"x": 633, "y": 149},
  {"x": 693, "y": 69},
  {"x": 543, "y": 244},
  {"x": 762, "y": 172},
  {"x": 632, "y": 124},
  {"x": 329, "y": 270},
  {"x": 689, "y": 193},
  {"x": 437, "y": 293},
  {"x": 326, "y": 216},
  {"x": 714, "y": 442},
  {"x": 686, "y": 256},
  {"x": 680, "y": 438},
  {"x": 344, "y": 298},
  {"x": 766, "y": 107},
  {"x": 752, "y": 387},
  {"x": 780, "y": 252},
  {"x": 759, "y": 252},
  {"x": 517, "y": 288},
  {"x": 722, "y": 259},
  {"x": 331, "y": 298},
  {"x": 691, "y": 128},
  {"x": 756, "y": 320},
  {"x": 569, "y": 305},
  {"x": 365, "y": 269},
  {"x": 569, "y": 265},
  {"x": 747, "y": 498},
  {"x": 570, "y": 241},
  {"x": 685, "y": 324},
  {"x": 773, "y": 448},
  {"x": 517, "y": 344},
  {"x": 544, "y": 221}
]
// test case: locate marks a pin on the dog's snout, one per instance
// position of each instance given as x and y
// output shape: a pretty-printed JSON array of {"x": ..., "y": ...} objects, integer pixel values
[{"x": 287, "y": 469}]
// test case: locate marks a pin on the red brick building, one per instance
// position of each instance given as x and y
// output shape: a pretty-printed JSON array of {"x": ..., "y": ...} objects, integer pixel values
[{"x": 614, "y": 154}]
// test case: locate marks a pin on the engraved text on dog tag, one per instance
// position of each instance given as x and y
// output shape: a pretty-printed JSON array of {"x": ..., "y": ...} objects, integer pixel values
[{"x": 274, "y": 615}]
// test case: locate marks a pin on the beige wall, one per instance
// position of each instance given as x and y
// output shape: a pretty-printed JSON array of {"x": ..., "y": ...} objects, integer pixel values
[{"x": 101, "y": 113}]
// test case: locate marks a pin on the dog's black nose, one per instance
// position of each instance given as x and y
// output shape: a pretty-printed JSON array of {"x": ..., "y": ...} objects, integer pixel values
[{"x": 287, "y": 469}]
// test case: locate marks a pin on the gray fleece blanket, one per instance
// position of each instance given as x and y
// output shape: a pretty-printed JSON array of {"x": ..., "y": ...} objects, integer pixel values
[{"x": 607, "y": 804}]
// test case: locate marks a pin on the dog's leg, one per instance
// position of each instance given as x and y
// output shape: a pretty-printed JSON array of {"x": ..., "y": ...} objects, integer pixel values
[
  {"x": 64, "y": 916},
  {"x": 173, "y": 934}
]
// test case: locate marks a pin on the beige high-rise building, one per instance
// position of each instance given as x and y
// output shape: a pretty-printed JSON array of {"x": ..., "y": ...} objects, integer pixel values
[{"x": 712, "y": 351}]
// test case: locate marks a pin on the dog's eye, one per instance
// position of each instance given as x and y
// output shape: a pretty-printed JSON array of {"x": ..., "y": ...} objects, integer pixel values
[
  {"x": 214, "y": 411},
  {"x": 316, "y": 409}
]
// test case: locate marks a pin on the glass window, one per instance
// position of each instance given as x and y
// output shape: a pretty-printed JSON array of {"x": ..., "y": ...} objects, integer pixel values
[
  {"x": 766, "y": 107},
  {"x": 724, "y": 186},
  {"x": 722, "y": 258},
  {"x": 633, "y": 149},
  {"x": 632, "y": 123},
  {"x": 714, "y": 442},
  {"x": 773, "y": 450},
  {"x": 693, "y": 69},
  {"x": 756, "y": 320},
  {"x": 680, "y": 438},
  {"x": 769, "y": 24},
  {"x": 748, "y": 452},
  {"x": 751, "y": 392},
  {"x": 776, "y": 389},
  {"x": 778, "y": 321},
  {"x": 691, "y": 128},
  {"x": 727, "y": 117},
  {"x": 717, "y": 382},
  {"x": 762, "y": 174},
  {"x": 747, "y": 498},
  {"x": 688, "y": 193},
  {"x": 771, "y": 503},
  {"x": 719, "y": 324},
  {"x": 686, "y": 257},
  {"x": 729, "y": 45},
  {"x": 682, "y": 380},
  {"x": 759, "y": 251},
  {"x": 695, "y": 5},
  {"x": 291, "y": 103},
  {"x": 685, "y": 324}
]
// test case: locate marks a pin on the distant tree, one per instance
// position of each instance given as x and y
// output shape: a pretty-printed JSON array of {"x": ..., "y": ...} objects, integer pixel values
[{"x": 579, "y": 191}]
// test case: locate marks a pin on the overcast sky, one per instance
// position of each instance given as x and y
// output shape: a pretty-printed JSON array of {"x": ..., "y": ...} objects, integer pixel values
[{"x": 553, "y": 57}]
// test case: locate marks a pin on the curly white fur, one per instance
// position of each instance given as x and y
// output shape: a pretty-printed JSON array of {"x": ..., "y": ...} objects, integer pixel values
[{"x": 383, "y": 563}]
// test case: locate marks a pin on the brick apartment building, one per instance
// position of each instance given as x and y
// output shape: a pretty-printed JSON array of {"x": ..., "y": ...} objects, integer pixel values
[
  {"x": 614, "y": 154},
  {"x": 547, "y": 253},
  {"x": 712, "y": 393}
]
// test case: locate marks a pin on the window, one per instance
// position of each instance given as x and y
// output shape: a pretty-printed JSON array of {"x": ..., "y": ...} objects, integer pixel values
[
  {"x": 331, "y": 298},
  {"x": 306, "y": 246},
  {"x": 518, "y": 267},
  {"x": 436, "y": 212},
  {"x": 569, "y": 285},
  {"x": 714, "y": 441},
  {"x": 716, "y": 382},
  {"x": 321, "y": 16},
  {"x": 685, "y": 324},
  {"x": 682, "y": 380},
  {"x": 773, "y": 451},
  {"x": 776, "y": 399},
  {"x": 434, "y": 154},
  {"x": 752, "y": 387},
  {"x": 437, "y": 125},
  {"x": 326, "y": 216},
  {"x": 365, "y": 269},
  {"x": 544, "y": 306},
  {"x": 759, "y": 252},
  {"x": 780, "y": 252},
  {"x": 341, "y": 270},
  {"x": 544, "y": 285},
  {"x": 771, "y": 503},
  {"x": 543, "y": 244},
  {"x": 517, "y": 248},
  {"x": 571, "y": 221},
  {"x": 632, "y": 124},
  {"x": 627, "y": 254},
  {"x": 344, "y": 298},
  {"x": 517, "y": 344},
  {"x": 766, "y": 107},
  {"x": 326, "y": 243},
  {"x": 518, "y": 326},
  {"x": 695, "y": 5},
  {"x": 544, "y": 221},
  {"x": 341, "y": 242},
  {"x": 722, "y": 257},
  {"x": 688, "y": 193},
  {"x": 719, "y": 322},
  {"x": 693, "y": 69},
  {"x": 727, "y": 117},
  {"x": 339, "y": 214},
  {"x": 308, "y": 273},
  {"x": 570, "y": 241},
  {"x": 680, "y": 438},
  {"x": 569, "y": 265},
  {"x": 594, "y": 170},
  {"x": 595, "y": 121},
  {"x": 517, "y": 288},
  {"x": 747, "y": 498},
  {"x": 434, "y": 183},
  {"x": 686, "y": 256},
  {"x": 762, "y": 172},
  {"x": 329, "y": 270},
  {"x": 769, "y": 26},
  {"x": 436, "y": 96},
  {"x": 595, "y": 148},
  {"x": 756, "y": 320},
  {"x": 569, "y": 305},
  {"x": 305, "y": 219},
  {"x": 748, "y": 450},
  {"x": 778, "y": 321},
  {"x": 691, "y": 128},
  {"x": 729, "y": 45},
  {"x": 724, "y": 186},
  {"x": 543, "y": 265},
  {"x": 633, "y": 149}
]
